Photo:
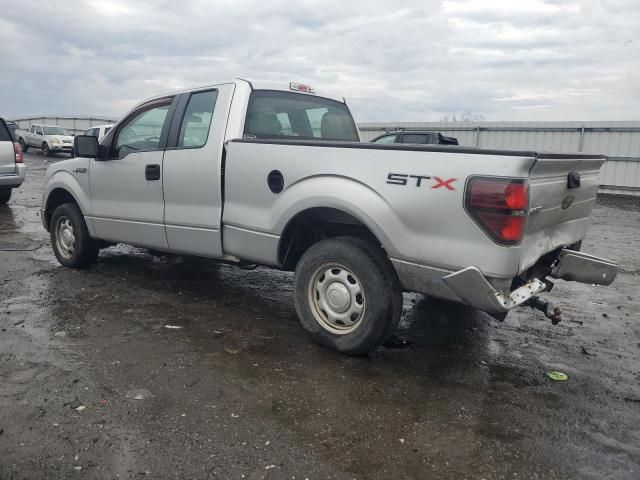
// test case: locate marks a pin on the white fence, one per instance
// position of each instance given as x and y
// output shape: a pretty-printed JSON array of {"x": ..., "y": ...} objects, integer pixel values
[{"x": 619, "y": 141}]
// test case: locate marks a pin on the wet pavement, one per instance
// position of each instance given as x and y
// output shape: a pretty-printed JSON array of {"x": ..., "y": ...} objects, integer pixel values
[{"x": 191, "y": 369}]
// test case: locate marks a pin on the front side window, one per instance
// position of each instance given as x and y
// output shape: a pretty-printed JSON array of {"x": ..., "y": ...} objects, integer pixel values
[
  {"x": 33, "y": 129},
  {"x": 196, "y": 122},
  {"x": 38, "y": 130},
  {"x": 284, "y": 115},
  {"x": 386, "y": 139},
  {"x": 142, "y": 130}
]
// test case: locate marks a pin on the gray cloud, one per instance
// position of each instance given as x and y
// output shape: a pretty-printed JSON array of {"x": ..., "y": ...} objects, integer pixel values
[{"x": 410, "y": 60}]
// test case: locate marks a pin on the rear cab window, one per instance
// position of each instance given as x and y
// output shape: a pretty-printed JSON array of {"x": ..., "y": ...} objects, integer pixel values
[
  {"x": 196, "y": 122},
  {"x": 279, "y": 115}
]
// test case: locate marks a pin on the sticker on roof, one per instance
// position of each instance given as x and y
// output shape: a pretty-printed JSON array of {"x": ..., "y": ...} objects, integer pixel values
[{"x": 299, "y": 87}]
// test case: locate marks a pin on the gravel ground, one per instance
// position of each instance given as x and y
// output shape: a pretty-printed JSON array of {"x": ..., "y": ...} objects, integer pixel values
[{"x": 236, "y": 390}]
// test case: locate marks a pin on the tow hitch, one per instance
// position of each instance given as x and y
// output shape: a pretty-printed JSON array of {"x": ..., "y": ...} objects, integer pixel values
[{"x": 551, "y": 311}]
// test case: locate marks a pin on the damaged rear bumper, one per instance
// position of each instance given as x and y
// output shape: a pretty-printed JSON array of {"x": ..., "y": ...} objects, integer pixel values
[
  {"x": 470, "y": 286},
  {"x": 580, "y": 267}
]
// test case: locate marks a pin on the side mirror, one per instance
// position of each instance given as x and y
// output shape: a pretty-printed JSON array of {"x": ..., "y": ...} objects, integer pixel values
[{"x": 85, "y": 146}]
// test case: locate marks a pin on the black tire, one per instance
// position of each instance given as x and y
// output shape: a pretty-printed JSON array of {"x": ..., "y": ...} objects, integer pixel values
[
  {"x": 368, "y": 267},
  {"x": 45, "y": 149},
  {"x": 85, "y": 249},
  {"x": 5, "y": 196},
  {"x": 23, "y": 145}
]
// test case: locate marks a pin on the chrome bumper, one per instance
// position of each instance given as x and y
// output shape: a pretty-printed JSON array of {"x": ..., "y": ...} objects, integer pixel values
[{"x": 575, "y": 266}]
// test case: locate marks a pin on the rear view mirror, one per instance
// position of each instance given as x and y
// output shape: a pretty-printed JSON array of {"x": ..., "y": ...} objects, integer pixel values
[{"x": 85, "y": 146}]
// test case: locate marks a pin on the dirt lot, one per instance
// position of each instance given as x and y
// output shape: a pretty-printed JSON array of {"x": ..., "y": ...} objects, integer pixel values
[{"x": 238, "y": 391}]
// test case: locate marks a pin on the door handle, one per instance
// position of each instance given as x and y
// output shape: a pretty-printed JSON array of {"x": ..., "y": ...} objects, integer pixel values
[{"x": 152, "y": 172}]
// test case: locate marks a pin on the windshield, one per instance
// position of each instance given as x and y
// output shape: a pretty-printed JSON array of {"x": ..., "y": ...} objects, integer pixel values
[
  {"x": 55, "y": 131},
  {"x": 280, "y": 115}
]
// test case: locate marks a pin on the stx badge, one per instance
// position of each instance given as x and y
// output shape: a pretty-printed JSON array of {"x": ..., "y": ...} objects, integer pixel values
[{"x": 403, "y": 179}]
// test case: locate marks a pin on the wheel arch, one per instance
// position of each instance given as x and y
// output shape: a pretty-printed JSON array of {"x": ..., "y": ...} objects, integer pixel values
[
  {"x": 313, "y": 224},
  {"x": 56, "y": 197}
]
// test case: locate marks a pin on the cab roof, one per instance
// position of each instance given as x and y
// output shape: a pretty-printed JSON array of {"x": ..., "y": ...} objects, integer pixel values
[{"x": 255, "y": 85}]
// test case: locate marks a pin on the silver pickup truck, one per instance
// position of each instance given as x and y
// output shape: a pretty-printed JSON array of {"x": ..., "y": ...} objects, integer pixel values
[
  {"x": 48, "y": 138},
  {"x": 254, "y": 173}
]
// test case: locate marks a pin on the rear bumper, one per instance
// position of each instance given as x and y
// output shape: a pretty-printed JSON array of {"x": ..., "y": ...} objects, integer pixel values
[
  {"x": 471, "y": 287},
  {"x": 580, "y": 267},
  {"x": 13, "y": 180}
]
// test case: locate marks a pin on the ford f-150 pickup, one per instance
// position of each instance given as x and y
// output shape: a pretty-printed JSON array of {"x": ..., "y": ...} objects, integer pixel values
[
  {"x": 253, "y": 173},
  {"x": 49, "y": 138}
]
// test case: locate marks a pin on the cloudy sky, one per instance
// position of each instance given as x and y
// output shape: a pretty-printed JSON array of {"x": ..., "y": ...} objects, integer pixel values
[{"x": 393, "y": 60}]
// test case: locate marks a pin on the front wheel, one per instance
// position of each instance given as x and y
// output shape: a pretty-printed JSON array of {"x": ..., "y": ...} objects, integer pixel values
[
  {"x": 70, "y": 238},
  {"x": 347, "y": 294},
  {"x": 45, "y": 149}
]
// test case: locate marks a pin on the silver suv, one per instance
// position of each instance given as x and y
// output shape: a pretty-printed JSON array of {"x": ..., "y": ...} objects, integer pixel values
[{"x": 12, "y": 168}]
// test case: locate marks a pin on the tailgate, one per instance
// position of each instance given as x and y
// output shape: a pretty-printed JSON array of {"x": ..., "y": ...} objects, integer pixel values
[{"x": 559, "y": 207}]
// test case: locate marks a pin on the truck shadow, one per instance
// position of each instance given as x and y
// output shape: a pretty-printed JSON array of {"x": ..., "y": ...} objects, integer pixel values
[{"x": 261, "y": 300}]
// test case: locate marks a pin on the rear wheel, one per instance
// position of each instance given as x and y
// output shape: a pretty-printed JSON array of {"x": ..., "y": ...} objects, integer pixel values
[
  {"x": 5, "y": 196},
  {"x": 23, "y": 145},
  {"x": 347, "y": 294},
  {"x": 45, "y": 149},
  {"x": 70, "y": 238}
]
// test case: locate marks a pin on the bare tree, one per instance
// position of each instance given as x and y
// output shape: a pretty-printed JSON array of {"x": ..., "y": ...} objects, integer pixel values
[
  {"x": 471, "y": 117},
  {"x": 464, "y": 116}
]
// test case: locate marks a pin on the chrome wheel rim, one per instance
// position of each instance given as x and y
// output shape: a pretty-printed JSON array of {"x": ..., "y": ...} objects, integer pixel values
[
  {"x": 336, "y": 298},
  {"x": 65, "y": 237}
]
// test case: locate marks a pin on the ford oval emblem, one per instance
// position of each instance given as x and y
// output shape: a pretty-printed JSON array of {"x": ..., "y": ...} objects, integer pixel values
[{"x": 567, "y": 201}]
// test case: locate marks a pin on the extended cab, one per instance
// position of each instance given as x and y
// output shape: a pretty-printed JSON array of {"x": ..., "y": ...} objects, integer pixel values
[
  {"x": 48, "y": 138},
  {"x": 275, "y": 175}
]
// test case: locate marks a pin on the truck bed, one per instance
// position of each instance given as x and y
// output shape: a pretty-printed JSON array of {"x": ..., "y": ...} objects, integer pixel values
[{"x": 422, "y": 223}]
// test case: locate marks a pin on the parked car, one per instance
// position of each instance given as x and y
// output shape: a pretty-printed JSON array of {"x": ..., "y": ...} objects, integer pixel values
[
  {"x": 417, "y": 137},
  {"x": 98, "y": 131},
  {"x": 12, "y": 169},
  {"x": 256, "y": 173},
  {"x": 49, "y": 138}
]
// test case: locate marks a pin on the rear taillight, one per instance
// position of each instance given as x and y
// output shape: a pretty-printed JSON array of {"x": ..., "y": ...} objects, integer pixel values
[
  {"x": 499, "y": 206},
  {"x": 17, "y": 149}
]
